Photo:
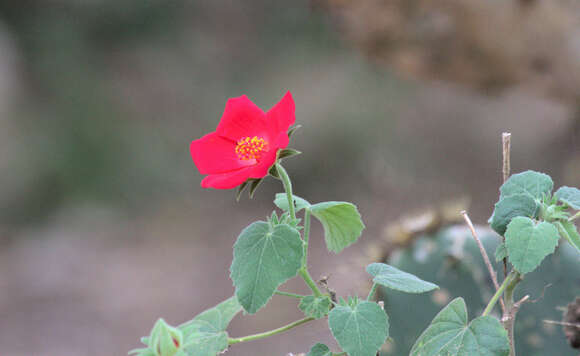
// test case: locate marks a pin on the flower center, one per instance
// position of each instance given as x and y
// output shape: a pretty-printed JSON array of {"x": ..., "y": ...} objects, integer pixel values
[{"x": 251, "y": 148}]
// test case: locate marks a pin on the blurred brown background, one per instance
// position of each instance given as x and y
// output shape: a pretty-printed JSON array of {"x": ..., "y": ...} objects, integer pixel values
[{"x": 103, "y": 225}]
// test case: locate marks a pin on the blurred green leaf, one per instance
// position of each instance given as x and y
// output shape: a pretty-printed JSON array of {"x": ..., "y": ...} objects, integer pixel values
[
  {"x": 394, "y": 278},
  {"x": 570, "y": 196},
  {"x": 510, "y": 207},
  {"x": 341, "y": 221}
]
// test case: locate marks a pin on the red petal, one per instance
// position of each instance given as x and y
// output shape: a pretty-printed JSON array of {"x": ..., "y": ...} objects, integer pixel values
[
  {"x": 268, "y": 159},
  {"x": 282, "y": 115},
  {"x": 215, "y": 154},
  {"x": 242, "y": 118},
  {"x": 227, "y": 180}
]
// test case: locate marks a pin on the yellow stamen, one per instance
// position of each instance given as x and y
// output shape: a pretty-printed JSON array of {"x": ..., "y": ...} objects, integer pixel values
[{"x": 251, "y": 148}]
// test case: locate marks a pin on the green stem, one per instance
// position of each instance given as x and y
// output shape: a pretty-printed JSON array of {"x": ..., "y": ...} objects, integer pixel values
[
  {"x": 288, "y": 188},
  {"x": 306, "y": 236},
  {"x": 509, "y": 318},
  {"x": 309, "y": 281},
  {"x": 373, "y": 289},
  {"x": 576, "y": 216},
  {"x": 291, "y": 295},
  {"x": 498, "y": 293},
  {"x": 266, "y": 334}
]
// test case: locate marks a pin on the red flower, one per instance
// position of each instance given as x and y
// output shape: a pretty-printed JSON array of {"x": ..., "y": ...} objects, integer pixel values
[{"x": 245, "y": 143}]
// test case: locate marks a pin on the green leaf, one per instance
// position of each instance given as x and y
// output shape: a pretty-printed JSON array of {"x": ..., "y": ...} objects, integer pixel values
[
  {"x": 293, "y": 129},
  {"x": 535, "y": 184},
  {"x": 315, "y": 307},
  {"x": 500, "y": 252},
  {"x": 341, "y": 221},
  {"x": 281, "y": 202},
  {"x": 253, "y": 186},
  {"x": 360, "y": 329},
  {"x": 569, "y": 232},
  {"x": 528, "y": 244},
  {"x": 265, "y": 256},
  {"x": 391, "y": 277},
  {"x": 241, "y": 190},
  {"x": 450, "y": 334},
  {"x": 319, "y": 350},
  {"x": 206, "y": 334},
  {"x": 510, "y": 207},
  {"x": 570, "y": 196},
  {"x": 287, "y": 152}
]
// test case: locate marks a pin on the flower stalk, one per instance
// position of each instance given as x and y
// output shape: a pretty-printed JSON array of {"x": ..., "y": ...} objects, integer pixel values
[{"x": 266, "y": 334}]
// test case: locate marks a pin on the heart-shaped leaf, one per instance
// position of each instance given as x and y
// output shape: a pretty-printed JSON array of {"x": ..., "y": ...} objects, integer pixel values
[
  {"x": 528, "y": 244},
  {"x": 265, "y": 256},
  {"x": 534, "y": 184},
  {"x": 570, "y": 196},
  {"x": 394, "y": 278},
  {"x": 450, "y": 334},
  {"x": 510, "y": 207},
  {"x": 341, "y": 221},
  {"x": 360, "y": 329}
]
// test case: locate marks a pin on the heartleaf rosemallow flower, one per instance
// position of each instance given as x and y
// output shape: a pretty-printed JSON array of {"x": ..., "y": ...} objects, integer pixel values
[{"x": 245, "y": 143}]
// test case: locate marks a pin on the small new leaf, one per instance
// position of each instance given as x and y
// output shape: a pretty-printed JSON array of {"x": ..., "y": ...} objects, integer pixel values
[
  {"x": 319, "y": 350},
  {"x": 568, "y": 231},
  {"x": 360, "y": 330},
  {"x": 341, "y": 221},
  {"x": 265, "y": 256},
  {"x": 534, "y": 184},
  {"x": 510, "y": 207},
  {"x": 569, "y": 196},
  {"x": 450, "y": 334},
  {"x": 391, "y": 277},
  {"x": 281, "y": 201},
  {"x": 528, "y": 244},
  {"x": 315, "y": 307},
  {"x": 500, "y": 252}
]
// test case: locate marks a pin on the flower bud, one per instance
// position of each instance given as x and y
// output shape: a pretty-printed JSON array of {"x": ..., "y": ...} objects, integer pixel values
[{"x": 165, "y": 340}]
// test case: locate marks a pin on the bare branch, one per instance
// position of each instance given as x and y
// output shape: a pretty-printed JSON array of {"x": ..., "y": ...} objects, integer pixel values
[
  {"x": 563, "y": 323},
  {"x": 484, "y": 255}
]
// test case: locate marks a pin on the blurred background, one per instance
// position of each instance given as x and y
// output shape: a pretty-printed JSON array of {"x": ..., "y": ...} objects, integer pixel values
[{"x": 103, "y": 224}]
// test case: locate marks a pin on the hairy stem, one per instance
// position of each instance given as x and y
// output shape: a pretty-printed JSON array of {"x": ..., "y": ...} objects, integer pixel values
[
  {"x": 507, "y": 281},
  {"x": 306, "y": 237},
  {"x": 288, "y": 188},
  {"x": 512, "y": 307},
  {"x": 372, "y": 291},
  {"x": 266, "y": 334},
  {"x": 309, "y": 281}
]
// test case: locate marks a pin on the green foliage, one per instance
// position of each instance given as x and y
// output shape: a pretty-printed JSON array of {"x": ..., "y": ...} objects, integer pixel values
[
  {"x": 265, "y": 256},
  {"x": 319, "y": 350},
  {"x": 394, "y": 278},
  {"x": 360, "y": 329},
  {"x": 315, "y": 307},
  {"x": 281, "y": 202},
  {"x": 287, "y": 152},
  {"x": 341, "y": 221},
  {"x": 205, "y": 335},
  {"x": 534, "y": 184},
  {"x": 450, "y": 334},
  {"x": 568, "y": 230},
  {"x": 500, "y": 252},
  {"x": 569, "y": 196},
  {"x": 528, "y": 244},
  {"x": 510, "y": 207},
  {"x": 451, "y": 257}
]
